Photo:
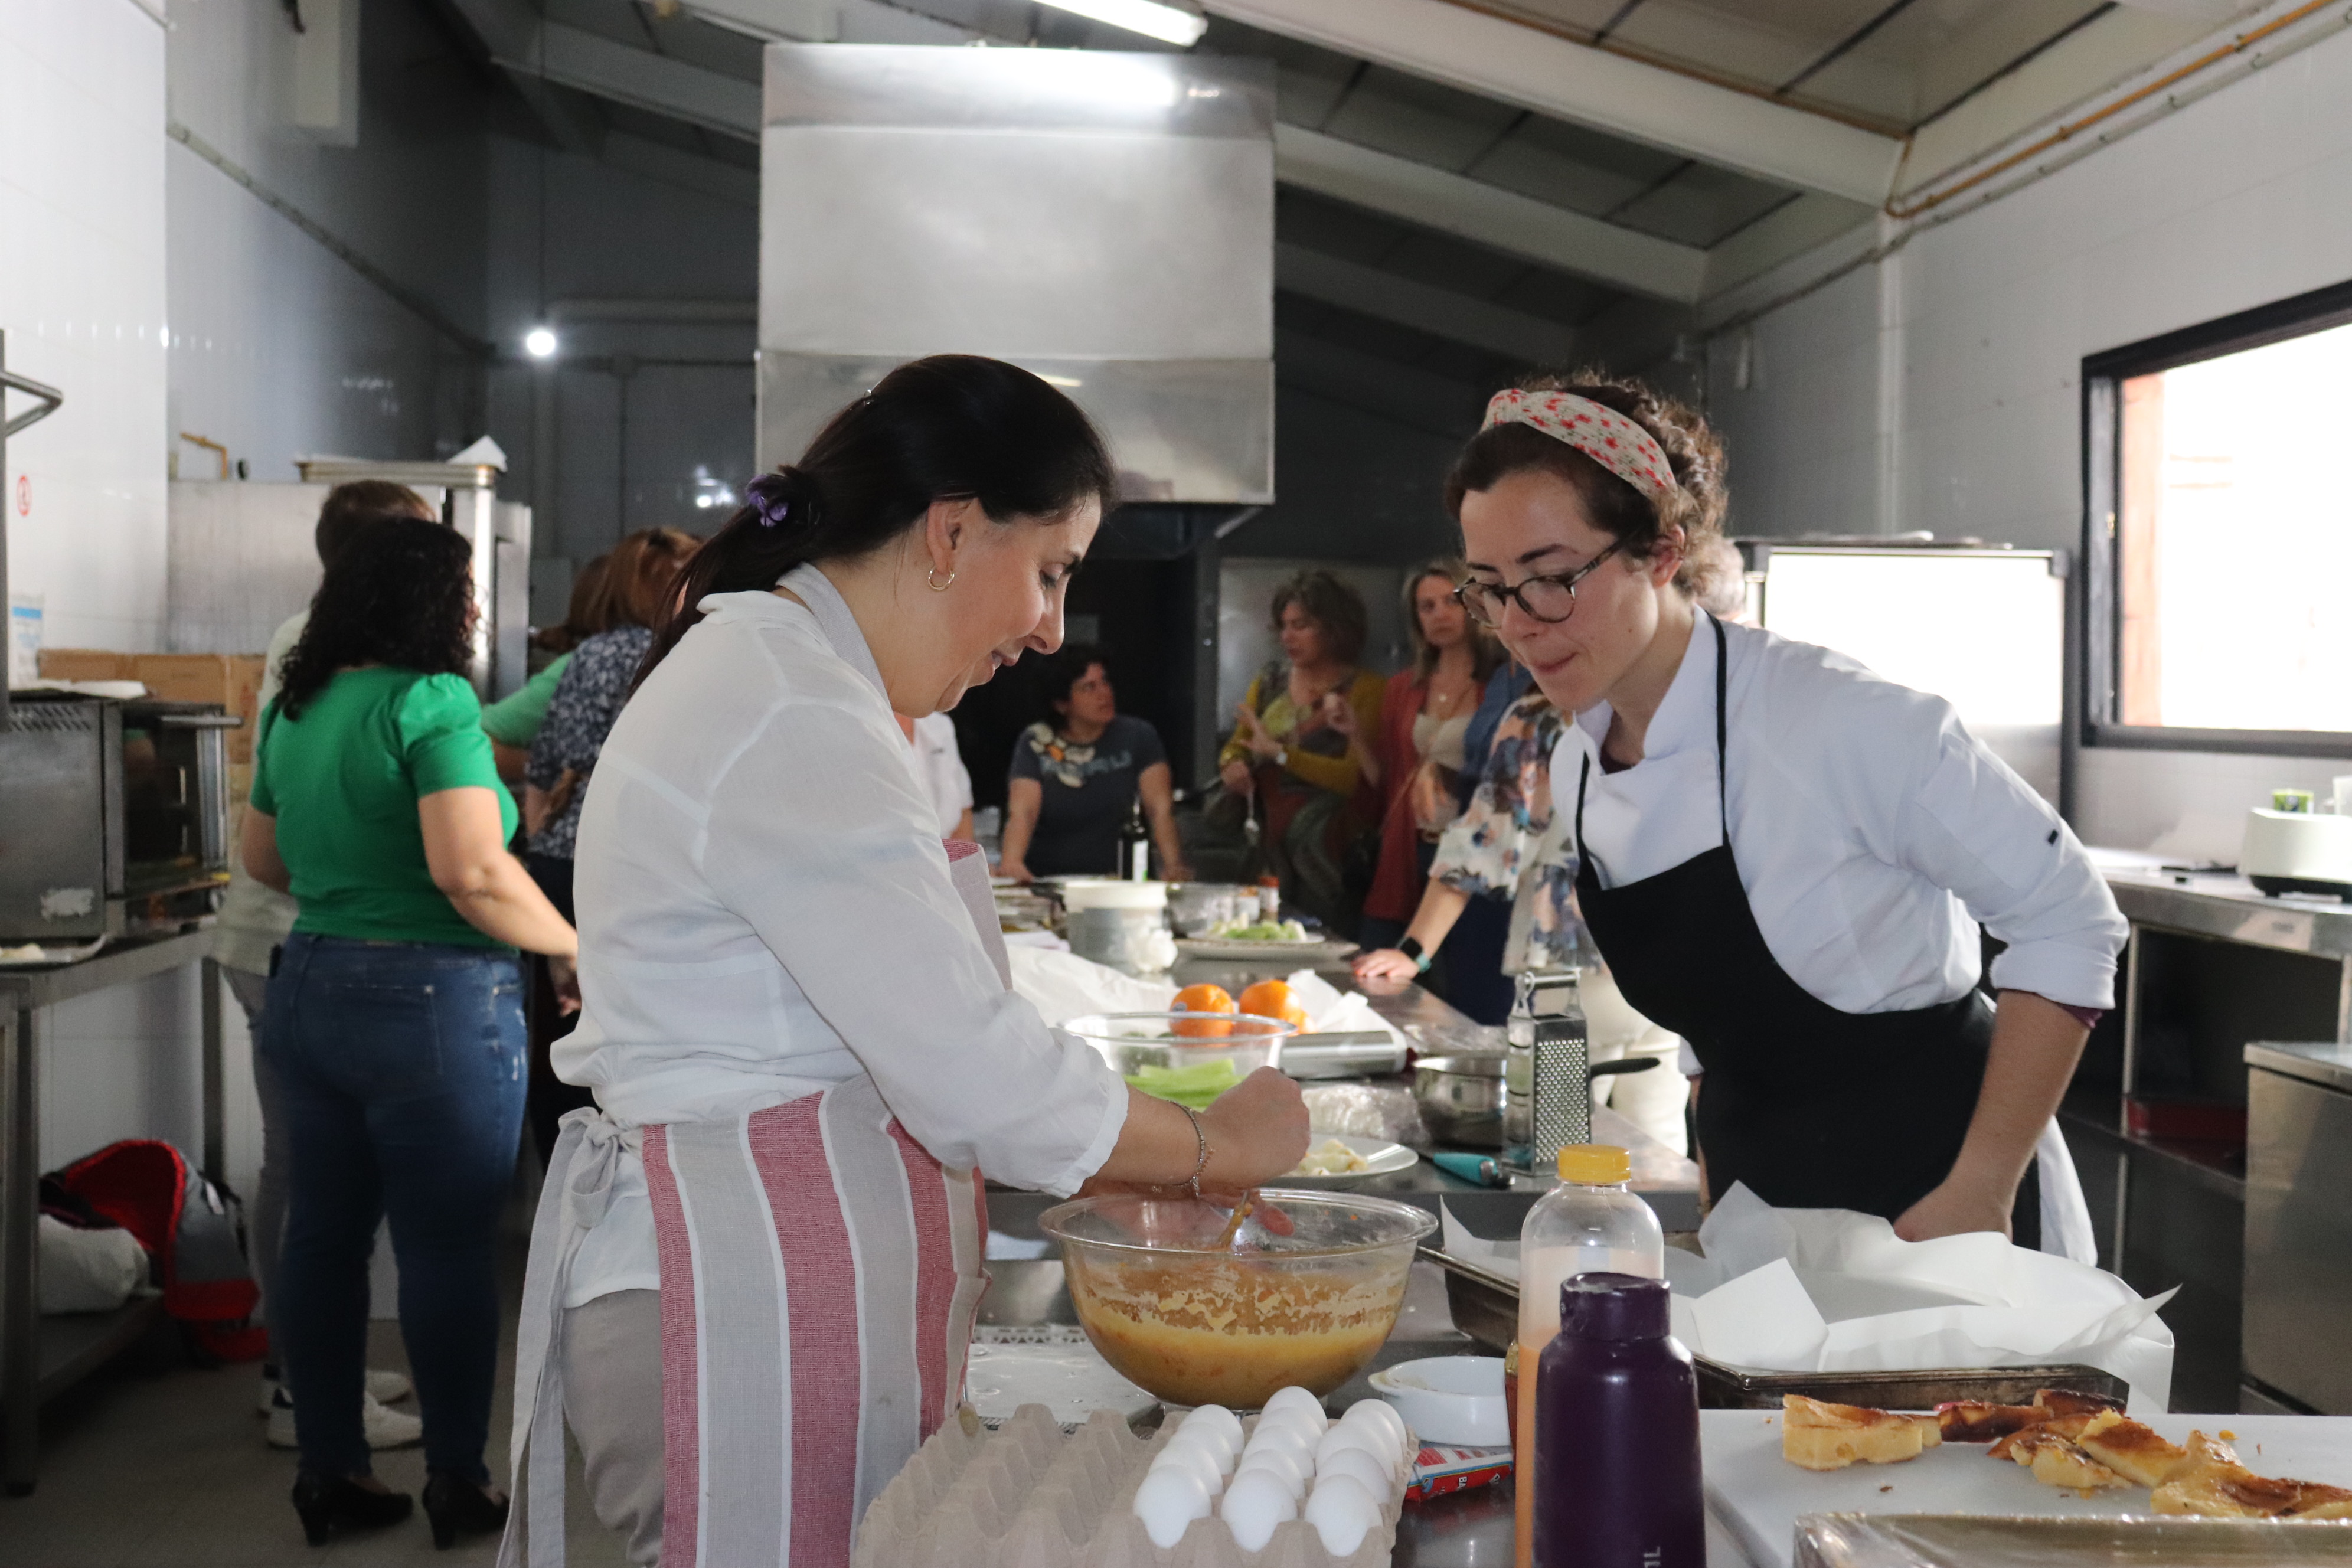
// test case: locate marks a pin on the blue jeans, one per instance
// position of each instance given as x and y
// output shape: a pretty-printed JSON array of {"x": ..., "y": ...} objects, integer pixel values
[{"x": 400, "y": 1067}]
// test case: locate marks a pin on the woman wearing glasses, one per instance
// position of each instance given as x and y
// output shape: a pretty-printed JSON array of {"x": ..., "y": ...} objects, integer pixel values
[{"x": 1783, "y": 858}]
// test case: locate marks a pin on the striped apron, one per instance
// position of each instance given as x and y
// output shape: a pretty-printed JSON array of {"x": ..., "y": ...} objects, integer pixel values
[{"x": 820, "y": 1272}]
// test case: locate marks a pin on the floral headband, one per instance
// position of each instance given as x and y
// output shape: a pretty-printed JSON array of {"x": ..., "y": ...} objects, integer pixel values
[{"x": 1601, "y": 434}]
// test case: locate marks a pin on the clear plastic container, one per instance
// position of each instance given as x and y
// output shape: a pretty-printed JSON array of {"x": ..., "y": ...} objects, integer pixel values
[{"x": 1589, "y": 1223}]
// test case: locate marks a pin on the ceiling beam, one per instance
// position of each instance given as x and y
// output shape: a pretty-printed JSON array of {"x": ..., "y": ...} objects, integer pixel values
[
  {"x": 644, "y": 79},
  {"x": 1536, "y": 70},
  {"x": 1441, "y": 312},
  {"x": 1499, "y": 219}
]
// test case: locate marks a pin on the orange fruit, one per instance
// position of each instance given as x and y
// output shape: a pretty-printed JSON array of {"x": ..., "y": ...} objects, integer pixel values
[
  {"x": 1211, "y": 999},
  {"x": 1274, "y": 999}
]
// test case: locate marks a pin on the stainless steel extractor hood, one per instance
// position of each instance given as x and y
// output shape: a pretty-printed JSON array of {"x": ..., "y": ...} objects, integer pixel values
[{"x": 1105, "y": 220}]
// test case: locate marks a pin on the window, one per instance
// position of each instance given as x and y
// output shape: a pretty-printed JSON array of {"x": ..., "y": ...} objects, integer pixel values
[{"x": 2219, "y": 535}]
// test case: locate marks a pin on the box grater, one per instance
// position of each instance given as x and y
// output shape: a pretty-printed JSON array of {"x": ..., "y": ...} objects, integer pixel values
[{"x": 1547, "y": 1072}]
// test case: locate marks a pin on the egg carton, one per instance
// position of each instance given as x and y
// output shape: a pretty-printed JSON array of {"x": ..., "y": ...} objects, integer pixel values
[{"x": 1027, "y": 1496}]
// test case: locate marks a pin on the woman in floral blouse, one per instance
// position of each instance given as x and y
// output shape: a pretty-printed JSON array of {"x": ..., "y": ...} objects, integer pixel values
[
  {"x": 640, "y": 577},
  {"x": 1507, "y": 846}
]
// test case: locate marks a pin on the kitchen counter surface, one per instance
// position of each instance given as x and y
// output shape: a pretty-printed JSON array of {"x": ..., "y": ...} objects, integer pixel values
[
  {"x": 2224, "y": 904},
  {"x": 2329, "y": 1065}
]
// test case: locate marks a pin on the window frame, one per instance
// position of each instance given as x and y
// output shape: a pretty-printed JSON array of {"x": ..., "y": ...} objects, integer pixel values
[{"x": 2104, "y": 374}]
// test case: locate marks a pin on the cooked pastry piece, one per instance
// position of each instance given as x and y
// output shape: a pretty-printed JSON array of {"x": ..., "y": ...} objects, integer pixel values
[
  {"x": 1818, "y": 1436},
  {"x": 2213, "y": 1483},
  {"x": 2131, "y": 1449},
  {"x": 2066, "y": 1402},
  {"x": 2055, "y": 1462},
  {"x": 1974, "y": 1421},
  {"x": 2068, "y": 1427}
]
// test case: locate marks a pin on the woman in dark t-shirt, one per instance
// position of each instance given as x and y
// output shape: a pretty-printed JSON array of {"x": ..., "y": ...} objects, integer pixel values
[{"x": 1074, "y": 781}]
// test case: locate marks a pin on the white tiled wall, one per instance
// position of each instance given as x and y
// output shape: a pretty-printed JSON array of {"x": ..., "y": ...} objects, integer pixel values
[
  {"x": 82, "y": 301},
  {"x": 2237, "y": 200}
]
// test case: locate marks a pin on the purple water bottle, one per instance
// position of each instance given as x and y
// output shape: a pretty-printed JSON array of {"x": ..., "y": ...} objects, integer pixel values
[{"x": 1617, "y": 1430}]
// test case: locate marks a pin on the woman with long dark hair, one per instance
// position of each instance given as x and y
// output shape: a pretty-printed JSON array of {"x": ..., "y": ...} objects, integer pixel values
[
  {"x": 754, "y": 1277},
  {"x": 394, "y": 1021}
]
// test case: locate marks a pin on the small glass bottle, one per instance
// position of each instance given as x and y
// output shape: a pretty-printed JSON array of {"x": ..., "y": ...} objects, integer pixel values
[
  {"x": 1591, "y": 1223},
  {"x": 1617, "y": 1414}
]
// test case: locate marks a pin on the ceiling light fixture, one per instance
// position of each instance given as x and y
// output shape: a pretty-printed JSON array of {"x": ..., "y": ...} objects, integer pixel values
[
  {"x": 1170, "y": 23},
  {"x": 540, "y": 342}
]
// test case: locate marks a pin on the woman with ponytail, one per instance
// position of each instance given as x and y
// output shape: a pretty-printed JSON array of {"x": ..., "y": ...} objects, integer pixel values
[{"x": 756, "y": 1262}]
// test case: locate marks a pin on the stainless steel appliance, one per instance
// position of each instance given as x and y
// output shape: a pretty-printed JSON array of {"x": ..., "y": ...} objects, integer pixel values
[
  {"x": 113, "y": 816},
  {"x": 1104, "y": 219},
  {"x": 243, "y": 558},
  {"x": 2298, "y": 1290}
]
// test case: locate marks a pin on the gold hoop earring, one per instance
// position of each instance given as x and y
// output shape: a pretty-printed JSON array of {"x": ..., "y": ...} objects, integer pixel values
[{"x": 932, "y": 577}]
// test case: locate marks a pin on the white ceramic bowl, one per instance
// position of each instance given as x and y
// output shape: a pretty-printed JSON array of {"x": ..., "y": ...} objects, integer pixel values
[{"x": 1449, "y": 1399}]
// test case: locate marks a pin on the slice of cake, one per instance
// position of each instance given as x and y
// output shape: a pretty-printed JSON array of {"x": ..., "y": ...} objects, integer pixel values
[
  {"x": 1975, "y": 1421},
  {"x": 1818, "y": 1436},
  {"x": 2066, "y": 1402},
  {"x": 2068, "y": 1427},
  {"x": 2055, "y": 1462},
  {"x": 2211, "y": 1482},
  {"x": 2131, "y": 1449}
]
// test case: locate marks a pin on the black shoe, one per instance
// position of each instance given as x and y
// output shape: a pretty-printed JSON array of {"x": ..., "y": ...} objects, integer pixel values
[
  {"x": 457, "y": 1507},
  {"x": 332, "y": 1503}
]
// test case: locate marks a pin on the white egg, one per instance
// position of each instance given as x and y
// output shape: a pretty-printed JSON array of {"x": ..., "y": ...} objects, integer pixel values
[
  {"x": 1342, "y": 1513},
  {"x": 1194, "y": 1460},
  {"x": 1253, "y": 1505},
  {"x": 1296, "y": 1398},
  {"x": 1211, "y": 1445},
  {"x": 1293, "y": 1467},
  {"x": 1381, "y": 1413},
  {"x": 1357, "y": 1465},
  {"x": 1273, "y": 1433},
  {"x": 1215, "y": 1419},
  {"x": 1378, "y": 1445},
  {"x": 1167, "y": 1501}
]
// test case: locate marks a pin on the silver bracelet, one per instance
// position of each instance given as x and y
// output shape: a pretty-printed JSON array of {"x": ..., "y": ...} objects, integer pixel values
[{"x": 1201, "y": 1136}]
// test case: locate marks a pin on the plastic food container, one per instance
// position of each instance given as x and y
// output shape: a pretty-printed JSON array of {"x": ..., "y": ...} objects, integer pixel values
[
  {"x": 1195, "y": 1325},
  {"x": 1132, "y": 1042},
  {"x": 1449, "y": 1399}
]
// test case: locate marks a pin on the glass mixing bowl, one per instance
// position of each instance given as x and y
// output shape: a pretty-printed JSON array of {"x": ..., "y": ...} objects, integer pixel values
[{"x": 1195, "y": 1325}]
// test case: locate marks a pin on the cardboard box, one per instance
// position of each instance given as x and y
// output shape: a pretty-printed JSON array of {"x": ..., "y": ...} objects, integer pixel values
[
  {"x": 230, "y": 679},
  {"x": 84, "y": 664}
]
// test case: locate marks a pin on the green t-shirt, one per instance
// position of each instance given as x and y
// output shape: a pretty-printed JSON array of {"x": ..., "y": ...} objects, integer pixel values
[
  {"x": 343, "y": 780},
  {"x": 515, "y": 720}
]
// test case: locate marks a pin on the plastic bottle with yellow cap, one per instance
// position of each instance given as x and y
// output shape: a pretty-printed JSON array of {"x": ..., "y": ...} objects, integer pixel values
[{"x": 1591, "y": 1223}]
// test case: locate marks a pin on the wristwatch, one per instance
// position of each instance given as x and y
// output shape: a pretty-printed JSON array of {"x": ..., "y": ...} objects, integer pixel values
[{"x": 1411, "y": 947}]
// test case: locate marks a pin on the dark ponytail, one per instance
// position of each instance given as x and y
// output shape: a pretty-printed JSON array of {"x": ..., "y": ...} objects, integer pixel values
[{"x": 943, "y": 428}]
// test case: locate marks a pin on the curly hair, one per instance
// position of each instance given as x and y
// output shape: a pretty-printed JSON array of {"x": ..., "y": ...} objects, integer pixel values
[
  {"x": 1331, "y": 604},
  {"x": 401, "y": 593},
  {"x": 1693, "y": 450}
]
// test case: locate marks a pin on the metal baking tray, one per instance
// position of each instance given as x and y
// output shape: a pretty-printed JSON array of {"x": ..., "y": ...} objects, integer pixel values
[
  {"x": 1485, "y": 1306},
  {"x": 1999, "y": 1541}
]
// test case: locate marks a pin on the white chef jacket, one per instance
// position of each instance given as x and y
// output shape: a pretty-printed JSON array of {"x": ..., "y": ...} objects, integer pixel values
[
  {"x": 1872, "y": 832},
  {"x": 765, "y": 911},
  {"x": 939, "y": 769}
]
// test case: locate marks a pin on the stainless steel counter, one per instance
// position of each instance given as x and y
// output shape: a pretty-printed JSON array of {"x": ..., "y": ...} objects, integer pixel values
[
  {"x": 2225, "y": 905},
  {"x": 2328, "y": 1065}
]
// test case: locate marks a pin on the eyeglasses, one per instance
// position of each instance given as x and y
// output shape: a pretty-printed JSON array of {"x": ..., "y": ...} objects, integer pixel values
[{"x": 1550, "y": 599}]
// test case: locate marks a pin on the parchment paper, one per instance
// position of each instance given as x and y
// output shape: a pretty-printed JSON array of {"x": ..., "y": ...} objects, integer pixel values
[{"x": 1833, "y": 1290}]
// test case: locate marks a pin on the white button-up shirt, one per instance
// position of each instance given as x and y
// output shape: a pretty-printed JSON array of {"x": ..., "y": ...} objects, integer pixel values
[
  {"x": 765, "y": 911},
  {"x": 1872, "y": 831}
]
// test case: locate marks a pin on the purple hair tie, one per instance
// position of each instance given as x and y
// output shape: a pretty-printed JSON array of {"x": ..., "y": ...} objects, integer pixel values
[{"x": 772, "y": 494}]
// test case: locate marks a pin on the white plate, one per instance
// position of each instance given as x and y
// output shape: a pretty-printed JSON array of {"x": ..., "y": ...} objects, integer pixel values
[
  {"x": 1382, "y": 1158},
  {"x": 1274, "y": 950}
]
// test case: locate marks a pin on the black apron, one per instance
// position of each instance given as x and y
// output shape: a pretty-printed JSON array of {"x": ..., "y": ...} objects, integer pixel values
[{"x": 1811, "y": 1107}]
